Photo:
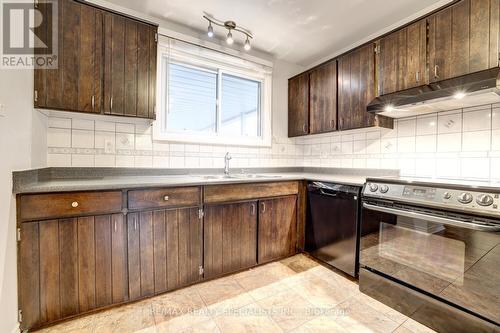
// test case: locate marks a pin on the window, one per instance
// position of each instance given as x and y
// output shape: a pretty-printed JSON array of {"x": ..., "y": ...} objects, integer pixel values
[{"x": 209, "y": 97}]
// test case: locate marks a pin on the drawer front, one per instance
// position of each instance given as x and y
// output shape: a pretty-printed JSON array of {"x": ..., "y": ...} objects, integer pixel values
[
  {"x": 236, "y": 192},
  {"x": 44, "y": 206},
  {"x": 164, "y": 198}
]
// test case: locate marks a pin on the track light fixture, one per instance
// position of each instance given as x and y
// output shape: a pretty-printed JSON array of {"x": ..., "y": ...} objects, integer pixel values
[
  {"x": 210, "y": 30},
  {"x": 230, "y": 26}
]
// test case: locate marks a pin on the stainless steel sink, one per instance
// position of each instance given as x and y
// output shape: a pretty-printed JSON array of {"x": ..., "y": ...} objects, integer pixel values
[
  {"x": 254, "y": 176},
  {"x": 236, "y": 176},
  {"x": 215, "y": 177}
]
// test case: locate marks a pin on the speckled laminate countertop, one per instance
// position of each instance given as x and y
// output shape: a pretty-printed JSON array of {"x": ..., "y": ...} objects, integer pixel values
[{"x": 86, "y": 179}]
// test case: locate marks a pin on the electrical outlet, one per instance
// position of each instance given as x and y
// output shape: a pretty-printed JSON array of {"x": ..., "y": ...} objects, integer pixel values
[
  {"x": 2, "y": 110},
  {"x": 109, "y": 147}
]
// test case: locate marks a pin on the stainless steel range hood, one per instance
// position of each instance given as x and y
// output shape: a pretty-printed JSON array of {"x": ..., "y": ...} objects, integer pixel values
[{"x": 469, "y": 90}]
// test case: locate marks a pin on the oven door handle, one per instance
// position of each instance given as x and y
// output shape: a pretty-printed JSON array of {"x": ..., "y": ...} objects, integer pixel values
[{"x": 431, "y": 218}]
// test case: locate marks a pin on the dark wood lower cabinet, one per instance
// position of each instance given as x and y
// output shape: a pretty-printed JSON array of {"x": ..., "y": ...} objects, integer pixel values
[
  {"x": 77, "y": 264},
  {"x": 70, "y": 266},
  {"x": 230, "y": 237},
  {"x": 277, "y": 228},
  {"x": 164, "y": 250}
]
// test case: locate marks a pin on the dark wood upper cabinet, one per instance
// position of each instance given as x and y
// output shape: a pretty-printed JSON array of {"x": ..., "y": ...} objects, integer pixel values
[
  {"x": 298, "y": 105},
  {"x": 76, "y": 84},
  {"x": 230, "y": 237},
  {"x": 130, "y": 67},
  {"x": 356, "y": 88},
  {"x": 323, "y": 98},
  {"x": 463, "y": 39},
  {"x": 106, "y": 63},
  {"x": 402, "y": 59}
]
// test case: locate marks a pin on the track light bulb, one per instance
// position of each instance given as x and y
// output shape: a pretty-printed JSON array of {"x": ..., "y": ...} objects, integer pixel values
[
  {"x": 229, "y": 38},
  {"x": 247, "y": 46},
  {"x": 210, "y": 30}
]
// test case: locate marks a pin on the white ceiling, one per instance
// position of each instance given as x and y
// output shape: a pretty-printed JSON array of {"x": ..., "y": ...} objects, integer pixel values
[{"x": 298, "y": 31}]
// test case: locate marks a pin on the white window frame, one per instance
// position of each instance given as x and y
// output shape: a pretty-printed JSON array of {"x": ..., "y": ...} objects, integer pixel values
[{"x": 160, "y": 132}]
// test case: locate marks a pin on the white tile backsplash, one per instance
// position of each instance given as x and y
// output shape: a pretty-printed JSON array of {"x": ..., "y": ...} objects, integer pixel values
[
  {"x": 82, "y": 138},
  {"x": 58, "y": 137},
  {"x": 457, "y": 144},
  {"x": 450, "y": 122}
]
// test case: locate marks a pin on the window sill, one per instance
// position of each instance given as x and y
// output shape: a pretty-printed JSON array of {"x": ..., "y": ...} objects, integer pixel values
[{"x": 212, "y": 140}]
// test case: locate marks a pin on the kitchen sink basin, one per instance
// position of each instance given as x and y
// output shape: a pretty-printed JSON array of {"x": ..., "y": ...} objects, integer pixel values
[
  {"x": 237, "y": 176},
  {"x": 254, "y": 176}
]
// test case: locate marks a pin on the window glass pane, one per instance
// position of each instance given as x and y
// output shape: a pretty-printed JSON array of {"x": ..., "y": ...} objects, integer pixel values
[
  {"x": 240, "y": 109},
  {"x": 192, "y": 99}
]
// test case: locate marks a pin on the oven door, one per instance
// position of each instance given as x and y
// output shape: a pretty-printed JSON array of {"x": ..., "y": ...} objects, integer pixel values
[{"x": 454, "y": 257}]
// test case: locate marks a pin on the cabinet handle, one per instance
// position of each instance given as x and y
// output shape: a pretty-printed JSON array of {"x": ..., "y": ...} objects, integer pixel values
[
  {"x": 74, "y": 204},
  {"x": 115, "y": 226},
  {"x": 111, "y": 104},
  {"x": 417, "y": 76},
  {"x": 436, "y": 69},
  {"x": 165, "y": 198},
  {"x": 332, "y": 123},
  {"x": 263, "y": 207},
  {"x": 93, "y": 102},
  {"x": 304, "y": 128},
  {"x": 135, "y": 224},
  {"x": 252, "y": 209}
]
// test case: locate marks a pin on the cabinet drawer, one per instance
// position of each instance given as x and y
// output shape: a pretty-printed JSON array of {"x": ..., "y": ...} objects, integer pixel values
[
  {"x": 167, "y": 197},
  {"x": 236, "y": 192},
  {"x": 43, "y": 206}
]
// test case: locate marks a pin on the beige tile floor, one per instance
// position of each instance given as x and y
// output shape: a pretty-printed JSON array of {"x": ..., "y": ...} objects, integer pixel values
[{"x": 293, "y": 295}]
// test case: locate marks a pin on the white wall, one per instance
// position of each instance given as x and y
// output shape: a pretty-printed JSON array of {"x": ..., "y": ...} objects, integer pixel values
[
  {"x": 16, "y": 139},
  {"x": 103, "y": 141}
]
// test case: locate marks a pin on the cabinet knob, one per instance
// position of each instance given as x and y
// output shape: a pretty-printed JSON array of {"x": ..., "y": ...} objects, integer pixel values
[
  {"x": 165, "y": 198},
  {"x": 74, "y": 204}
]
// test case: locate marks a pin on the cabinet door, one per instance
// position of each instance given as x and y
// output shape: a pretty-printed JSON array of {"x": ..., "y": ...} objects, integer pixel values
[
  {"x": 392, "y": 62},
  {"x": 76, "y": 84},
  {"x": 416, "y": 55},
  {"x": 129, "y": 67},
  {"x": 277, "y": 228},
  {"x": 71, "y": 266},
  {"x": 164, "y": 249},
  {"x": 463, "y": 38},
  {"x": 357, "y": 88},
  {"x": 323, "y": 98},
  {"x": 230, "y": 238},
  {"x": 298, "y": 105}
]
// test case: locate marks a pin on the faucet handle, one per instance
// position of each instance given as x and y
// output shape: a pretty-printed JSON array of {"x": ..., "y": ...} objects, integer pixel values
[{"x": 228, "y": 156}]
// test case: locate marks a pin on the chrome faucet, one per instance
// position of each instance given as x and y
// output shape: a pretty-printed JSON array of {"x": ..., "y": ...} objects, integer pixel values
[{"x": 227, "y": 158}]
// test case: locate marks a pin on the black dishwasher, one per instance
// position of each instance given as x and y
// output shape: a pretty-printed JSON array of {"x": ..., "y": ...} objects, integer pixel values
[{"x": 332, "y": 225}]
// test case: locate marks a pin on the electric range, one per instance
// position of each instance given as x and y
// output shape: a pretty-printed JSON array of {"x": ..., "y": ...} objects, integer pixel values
[{"x": 431, "y": 250}]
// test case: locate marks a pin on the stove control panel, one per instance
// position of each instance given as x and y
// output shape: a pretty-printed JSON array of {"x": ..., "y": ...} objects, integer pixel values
[{"x": 469, "y": 200}]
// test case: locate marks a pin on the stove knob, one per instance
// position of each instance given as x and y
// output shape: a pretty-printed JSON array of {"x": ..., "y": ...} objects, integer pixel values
[
  {"x": 447, "y": 195},
  {"x": 373, "y": 187},
  {"x": 484, "y": 200},
  {"x": 384, "y": 188},
  {"x": 465, "y": 198}
]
